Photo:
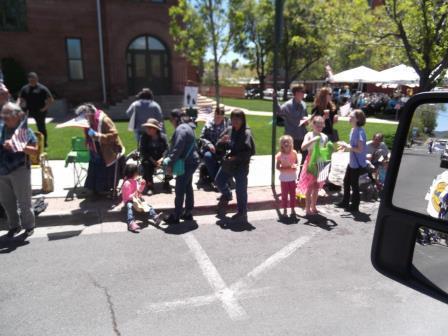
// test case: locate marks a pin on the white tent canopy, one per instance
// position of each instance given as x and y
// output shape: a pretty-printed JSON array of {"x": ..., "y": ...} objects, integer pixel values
[
  {"x": 400, "y": 74},
  {"x": 360, "y": 74}
]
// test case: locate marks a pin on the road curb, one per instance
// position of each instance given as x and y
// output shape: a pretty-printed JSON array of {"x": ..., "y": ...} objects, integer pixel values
[{"x": 97, "y": 216}]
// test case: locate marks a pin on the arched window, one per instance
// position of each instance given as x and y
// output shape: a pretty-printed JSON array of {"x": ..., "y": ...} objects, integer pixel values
[{"x": 148, "y": 65}]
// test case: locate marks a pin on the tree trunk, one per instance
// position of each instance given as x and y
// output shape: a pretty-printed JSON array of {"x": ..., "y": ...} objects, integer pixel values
[
  {"x": 261, "y": 79},
  {"x": 215, "y": 52},
  {"x": 425, "y": 84}
]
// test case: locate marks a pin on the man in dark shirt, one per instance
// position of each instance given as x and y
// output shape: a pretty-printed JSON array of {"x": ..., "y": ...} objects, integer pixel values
[
  {"x": 35, "y": 99},
  {"x": 295, "y": 117}
]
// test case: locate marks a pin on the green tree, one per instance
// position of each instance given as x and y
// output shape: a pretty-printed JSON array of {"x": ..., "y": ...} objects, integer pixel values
[
  {"x": 425, "y": 118},
  {"x": 303, "y": 42},
  {"x": 188, "y": 32},
  {"x": 251, "y": 25},
  {"x": 199, "y": 25},
  {"x": 421, "y": 26},
  {"x": 358, "y": 35}
]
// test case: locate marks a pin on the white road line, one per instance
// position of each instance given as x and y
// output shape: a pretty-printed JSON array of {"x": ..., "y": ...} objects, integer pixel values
[
  {"x": 270, "y": 263},
  {"x": 197, "y": 301},
  {"x": 222, "y": 292}
]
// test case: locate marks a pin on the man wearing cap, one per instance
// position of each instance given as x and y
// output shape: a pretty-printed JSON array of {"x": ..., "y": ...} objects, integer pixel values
[
  {"x": 35, "y": 99},
  {"x": 141, "y": 110},
  {"x": 153, "y": 147}
]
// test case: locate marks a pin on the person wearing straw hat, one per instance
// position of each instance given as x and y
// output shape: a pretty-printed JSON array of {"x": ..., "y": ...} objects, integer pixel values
[{"x": 153, "y": 147}]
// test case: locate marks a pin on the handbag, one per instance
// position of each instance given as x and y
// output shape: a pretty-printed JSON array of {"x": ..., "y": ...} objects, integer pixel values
[
  {"x": 229, "y": 166},
  {"x": 47, "y": 175},
  {"x": 179, "y": 164},
  {"x": 139, "y": 204}
]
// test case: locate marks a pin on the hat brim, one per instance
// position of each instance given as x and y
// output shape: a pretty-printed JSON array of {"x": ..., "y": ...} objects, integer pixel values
[{"x": 152, "y": 126}]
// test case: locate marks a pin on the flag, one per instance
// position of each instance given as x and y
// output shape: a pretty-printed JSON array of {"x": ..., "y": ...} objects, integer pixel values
[
  {"x": 20, "y": 138},
  {"x": 323, "y": 169}
]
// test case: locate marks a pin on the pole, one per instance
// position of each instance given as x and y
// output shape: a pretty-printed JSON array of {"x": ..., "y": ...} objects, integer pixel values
[
  {"x": 100, "y": 39},
  {"x": 277, "y": 39}
]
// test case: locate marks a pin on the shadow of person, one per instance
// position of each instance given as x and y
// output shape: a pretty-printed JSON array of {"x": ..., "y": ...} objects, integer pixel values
[
  {"x": 63, "y": 235},
  {"x": 226, "y": 223},
  {"x": 288, "y": 220},
  {"x": 358, "y": 216},
  {"x": 179, "y": 229},
  {"x": 8, "y": 245},
  {"x": 320, "y": 221}
]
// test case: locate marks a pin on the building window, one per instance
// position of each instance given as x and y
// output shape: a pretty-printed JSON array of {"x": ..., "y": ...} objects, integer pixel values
[
  {"x": 74, "y": 56},
  {"x": 13, "y": 15}
]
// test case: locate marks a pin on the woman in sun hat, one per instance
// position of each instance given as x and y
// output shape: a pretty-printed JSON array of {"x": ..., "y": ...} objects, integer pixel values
[{"x": 153, "y": 147}]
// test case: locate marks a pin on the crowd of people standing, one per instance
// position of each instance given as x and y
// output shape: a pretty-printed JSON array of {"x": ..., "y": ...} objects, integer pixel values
[{"x": 225, "y": 149}]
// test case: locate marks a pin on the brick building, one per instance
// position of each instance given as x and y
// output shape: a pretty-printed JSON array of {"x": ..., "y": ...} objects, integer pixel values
[{"x": 96, "y": 50}]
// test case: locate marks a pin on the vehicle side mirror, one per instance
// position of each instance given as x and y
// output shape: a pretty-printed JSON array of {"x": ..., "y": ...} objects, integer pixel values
[{"x": 411, "y": 234}]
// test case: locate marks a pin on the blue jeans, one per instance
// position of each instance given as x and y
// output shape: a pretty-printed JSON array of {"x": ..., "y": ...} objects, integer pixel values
[
  {"x": 130, "y": 213},
  {"x": 184, "y": 190},
  {"x": 240, "y": 176},
  {"x": 211, "y": 162}
]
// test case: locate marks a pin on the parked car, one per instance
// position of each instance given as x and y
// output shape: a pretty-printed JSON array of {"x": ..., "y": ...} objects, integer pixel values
[
  {"x": 268, "y": 93},
  {"x": 439, "y": 146},
  {"x": 444, "y": 158},
  {"x": 281, "y": 92},
  {"x": 252, "y": 93}
]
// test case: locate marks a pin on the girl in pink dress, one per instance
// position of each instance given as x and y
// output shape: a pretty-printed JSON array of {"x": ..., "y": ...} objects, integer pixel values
[
  {"x": 132, "y": 187},
  {"x": 308, "y": 186},
  {"x": 287, "y": 165}
]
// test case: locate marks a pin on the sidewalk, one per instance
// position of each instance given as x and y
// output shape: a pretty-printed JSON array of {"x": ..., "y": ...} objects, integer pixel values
[
  {"x": 268, "y": 114},
  {"x": 87, "y": 211}
]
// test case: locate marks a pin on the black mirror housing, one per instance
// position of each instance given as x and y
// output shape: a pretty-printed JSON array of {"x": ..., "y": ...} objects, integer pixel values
[{"x": 396, "y": 229}]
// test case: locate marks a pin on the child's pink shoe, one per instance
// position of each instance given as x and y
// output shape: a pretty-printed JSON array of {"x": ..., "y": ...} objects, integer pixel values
[{"x": 133, "y": 227}]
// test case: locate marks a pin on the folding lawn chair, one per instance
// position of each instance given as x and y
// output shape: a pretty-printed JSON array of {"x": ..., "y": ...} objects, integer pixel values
[{"x": 79, "y": 156}]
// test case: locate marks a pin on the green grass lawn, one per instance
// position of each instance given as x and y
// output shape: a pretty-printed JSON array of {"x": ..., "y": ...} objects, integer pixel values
[{"x": 60, "y": 139}]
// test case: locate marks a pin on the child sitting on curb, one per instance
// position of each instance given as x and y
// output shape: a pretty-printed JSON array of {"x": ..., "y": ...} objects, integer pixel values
[{"x": 131, "y": 192}]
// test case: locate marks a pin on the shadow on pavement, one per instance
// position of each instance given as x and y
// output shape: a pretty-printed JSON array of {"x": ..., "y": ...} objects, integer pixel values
[
  {"x": 320, "y": 221},
  {"x": 358, "y": 216},
  {"x": 63, "y": 235},
  {"x": 10, "y": 245},
  {"x": 288, "y": 220},
  {"x": 179, "y": 229},
  {"x": 226, "y": 223}
]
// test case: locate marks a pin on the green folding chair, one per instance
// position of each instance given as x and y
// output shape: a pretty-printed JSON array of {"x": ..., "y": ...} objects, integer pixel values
[{"x": 79, "y": 156}]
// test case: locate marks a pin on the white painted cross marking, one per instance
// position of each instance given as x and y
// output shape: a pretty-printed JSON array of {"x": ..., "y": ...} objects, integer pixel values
[
  {"x": 227, "y": 295},
  {"x": 222, "y": 292}
]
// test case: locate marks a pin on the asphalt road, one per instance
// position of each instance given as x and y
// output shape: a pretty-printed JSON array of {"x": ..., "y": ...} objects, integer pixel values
[
  {"x": 209, "y": 278},
  {"x": 418, "y": 169},
  {"x": 432, "y": 261}
]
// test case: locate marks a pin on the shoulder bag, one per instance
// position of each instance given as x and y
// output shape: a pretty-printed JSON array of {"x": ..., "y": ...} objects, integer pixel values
[{"x": 179, "y": 164}]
